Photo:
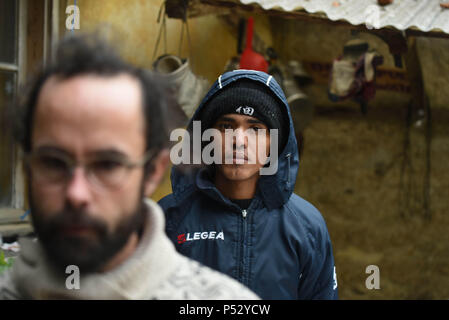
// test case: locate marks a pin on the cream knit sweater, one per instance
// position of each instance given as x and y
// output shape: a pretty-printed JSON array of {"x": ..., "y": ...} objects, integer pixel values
[{"x": 154, "y": 271}]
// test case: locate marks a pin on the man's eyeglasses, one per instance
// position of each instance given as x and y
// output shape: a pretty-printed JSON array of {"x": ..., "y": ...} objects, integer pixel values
[{"x": 103, "y": 172}]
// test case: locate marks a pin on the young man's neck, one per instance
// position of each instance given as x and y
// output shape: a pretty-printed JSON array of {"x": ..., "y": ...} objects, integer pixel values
[{"x": 236, "y": 189}]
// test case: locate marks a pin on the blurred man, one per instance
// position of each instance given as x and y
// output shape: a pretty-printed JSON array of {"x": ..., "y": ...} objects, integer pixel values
[
  {"x": 265, "y": 236},
  {"x": 94, "y": 134}
]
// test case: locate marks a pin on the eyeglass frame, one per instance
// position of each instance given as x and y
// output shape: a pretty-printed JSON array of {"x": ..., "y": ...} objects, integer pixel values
[{"x": 72, "y": 164}]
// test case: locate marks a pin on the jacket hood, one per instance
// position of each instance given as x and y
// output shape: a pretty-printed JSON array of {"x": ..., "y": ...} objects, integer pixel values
[{"x": 274, "y": 190}]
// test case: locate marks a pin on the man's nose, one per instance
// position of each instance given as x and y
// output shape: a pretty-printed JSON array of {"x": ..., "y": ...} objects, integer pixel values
[
  {"x": 240, "y": 138},
  {"x": 78, "y": 191}
]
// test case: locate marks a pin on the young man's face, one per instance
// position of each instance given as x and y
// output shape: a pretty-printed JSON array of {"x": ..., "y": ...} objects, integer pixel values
[
  {"x": 85, "y": 218},
  {"x": 248, "y": 149}
]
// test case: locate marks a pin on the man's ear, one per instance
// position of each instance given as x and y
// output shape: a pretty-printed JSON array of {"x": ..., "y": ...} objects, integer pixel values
[{"x": 158, "y": 170}]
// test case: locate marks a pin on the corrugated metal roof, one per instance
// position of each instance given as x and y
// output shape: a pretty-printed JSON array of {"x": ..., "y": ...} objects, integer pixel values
[{"x": 425, "y": 15}]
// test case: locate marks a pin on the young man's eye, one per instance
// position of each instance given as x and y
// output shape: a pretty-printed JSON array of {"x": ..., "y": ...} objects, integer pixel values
[{"x": 256, "y": 128}]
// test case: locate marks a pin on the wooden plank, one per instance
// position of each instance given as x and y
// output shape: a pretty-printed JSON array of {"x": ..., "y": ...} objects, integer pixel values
[
  {"x": 8, "y": 66},
  {"x": 11, "y": 215},
  {"x": 13, "y": 229}
]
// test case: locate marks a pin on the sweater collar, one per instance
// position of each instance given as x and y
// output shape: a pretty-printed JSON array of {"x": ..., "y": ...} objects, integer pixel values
[{"x": 136, "y": 278}]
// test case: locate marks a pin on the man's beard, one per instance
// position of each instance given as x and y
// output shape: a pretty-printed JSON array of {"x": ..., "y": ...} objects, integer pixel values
[{"x": 89, "y": 253}]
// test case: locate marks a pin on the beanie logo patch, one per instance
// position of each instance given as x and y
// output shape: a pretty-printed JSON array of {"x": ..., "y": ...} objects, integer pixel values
[{"x": 245, "y": 110}]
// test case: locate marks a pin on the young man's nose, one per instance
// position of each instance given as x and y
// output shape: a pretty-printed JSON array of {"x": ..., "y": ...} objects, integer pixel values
[
  {"x": 240, "y": 138},
  {"x": 78, "y": 191}
]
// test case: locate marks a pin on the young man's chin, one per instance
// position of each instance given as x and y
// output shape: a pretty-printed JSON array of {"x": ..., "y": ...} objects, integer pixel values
[{"x": 239, "y": 172}]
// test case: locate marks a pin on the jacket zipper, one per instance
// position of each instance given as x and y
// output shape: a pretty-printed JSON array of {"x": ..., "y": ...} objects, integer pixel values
[
  {"x": 242, "y": 249},
  {"x": 288, "y": 156}
]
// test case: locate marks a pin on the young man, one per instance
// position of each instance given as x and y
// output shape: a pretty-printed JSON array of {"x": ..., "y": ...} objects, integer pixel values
[
  {"x": 94, "y": 135},
  {"x": 234, "y": 219}
]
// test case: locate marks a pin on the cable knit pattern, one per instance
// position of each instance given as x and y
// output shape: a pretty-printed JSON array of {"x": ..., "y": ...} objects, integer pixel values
[{"x": 154, "y": 271}]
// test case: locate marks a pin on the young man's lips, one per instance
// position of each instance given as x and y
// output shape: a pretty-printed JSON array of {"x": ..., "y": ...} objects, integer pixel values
[
  {"x": 237, "y": 159},
  {"x": 236, "y": 156}
]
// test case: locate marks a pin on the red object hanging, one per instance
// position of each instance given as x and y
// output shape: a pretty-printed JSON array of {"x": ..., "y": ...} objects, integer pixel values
[{"x": 250, "y": 59}]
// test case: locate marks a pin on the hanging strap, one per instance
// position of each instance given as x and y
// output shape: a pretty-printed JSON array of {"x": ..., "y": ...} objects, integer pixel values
[
  {"x": 185, "y": 26},
  {"x": 162, "y": 28}
]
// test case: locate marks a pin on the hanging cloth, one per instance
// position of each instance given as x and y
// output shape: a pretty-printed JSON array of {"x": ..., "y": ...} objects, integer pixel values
[
  {"x": 353, "y": 75},
  {"x": 189, "y": 87}
]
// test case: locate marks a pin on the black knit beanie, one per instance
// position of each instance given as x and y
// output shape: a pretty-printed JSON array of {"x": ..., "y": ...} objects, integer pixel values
[{"x": 251, "y": 98}]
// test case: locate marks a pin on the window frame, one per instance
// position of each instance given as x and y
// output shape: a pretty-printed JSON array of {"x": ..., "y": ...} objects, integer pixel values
[
  {"x": 18, "y": 198},
  {"x": 18, "y": 68},
  {"x": 12, "y": 212}
]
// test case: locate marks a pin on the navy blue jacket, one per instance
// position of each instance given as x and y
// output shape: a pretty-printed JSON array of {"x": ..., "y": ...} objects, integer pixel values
[{"x": 279, "y": 247}]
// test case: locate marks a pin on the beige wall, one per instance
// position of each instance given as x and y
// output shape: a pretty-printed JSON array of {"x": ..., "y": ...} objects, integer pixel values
[
  {"x": 136, "y": 29},
  {"x": 351, "y": 169},
  {"x": 434, "y": 56}
]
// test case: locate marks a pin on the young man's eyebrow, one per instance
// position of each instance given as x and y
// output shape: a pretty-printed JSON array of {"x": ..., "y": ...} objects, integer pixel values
[{"x": 254, "y": 121}]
